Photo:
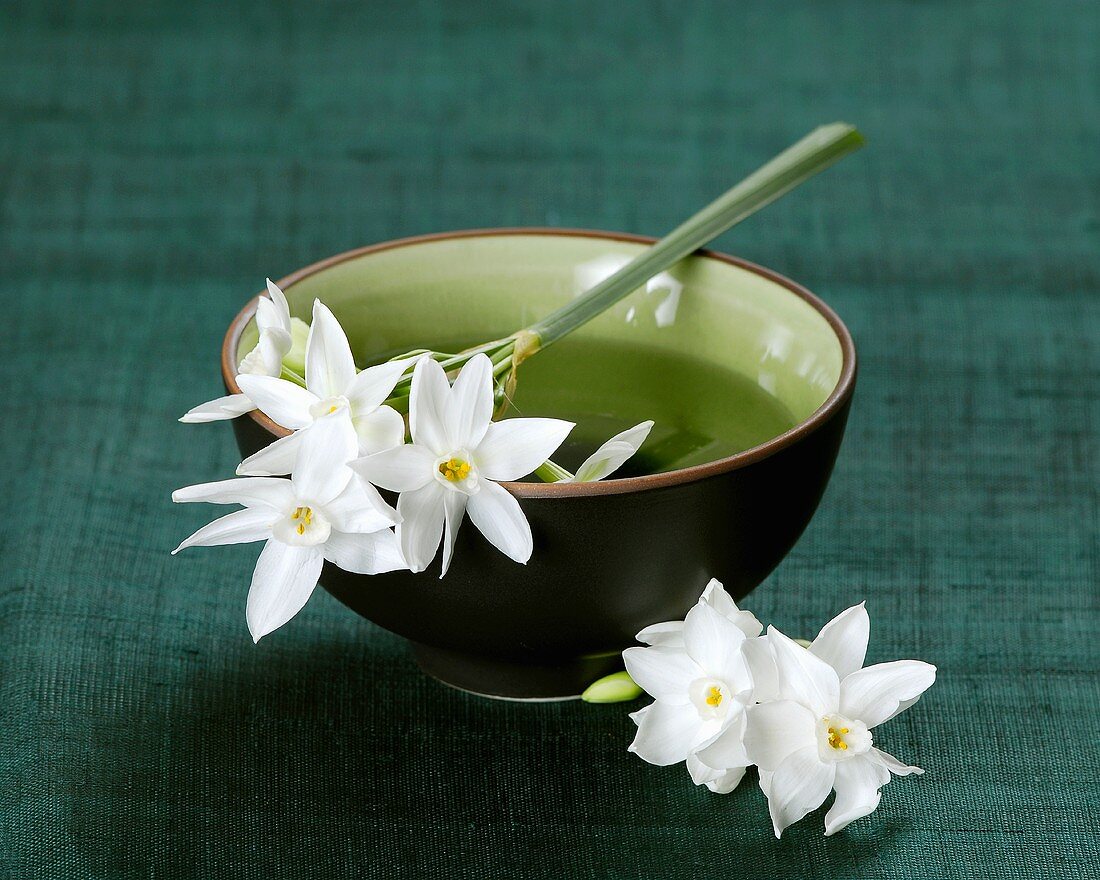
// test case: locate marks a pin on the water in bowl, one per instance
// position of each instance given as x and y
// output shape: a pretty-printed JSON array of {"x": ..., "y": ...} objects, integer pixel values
[{"x": 702, "y": 411}]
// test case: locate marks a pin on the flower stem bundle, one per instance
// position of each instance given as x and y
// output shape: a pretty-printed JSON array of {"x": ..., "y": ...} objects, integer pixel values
[{"x": 811, "y": 155}]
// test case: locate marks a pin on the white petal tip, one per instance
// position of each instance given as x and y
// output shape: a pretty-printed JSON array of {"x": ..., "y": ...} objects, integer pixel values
[{"x": 188, "y": 419}]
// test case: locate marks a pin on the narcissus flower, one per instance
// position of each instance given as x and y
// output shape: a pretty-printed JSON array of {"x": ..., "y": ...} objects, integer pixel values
[
  {"x": 700, "y": 679},
  {"x": 816, "y": 737},
  {"x": 278, "y": 332},
  {"x": 715, "y": 595},
  {"x": 454, "y": 462},
  {"x": 332, "y": 384},
  {"x": 322, "y": 512}
]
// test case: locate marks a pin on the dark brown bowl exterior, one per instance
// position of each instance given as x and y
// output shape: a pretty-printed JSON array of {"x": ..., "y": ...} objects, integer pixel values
[{"x": 610, "y": 558}]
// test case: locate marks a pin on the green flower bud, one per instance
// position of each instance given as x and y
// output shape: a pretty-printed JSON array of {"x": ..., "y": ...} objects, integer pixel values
[{"x": 616, "y": 688}]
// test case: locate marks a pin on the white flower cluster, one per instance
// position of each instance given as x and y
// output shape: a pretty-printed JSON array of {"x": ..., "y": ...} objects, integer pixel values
[
  {"x": 346, "y": 443},
  {"x": 727, "y": 697}
]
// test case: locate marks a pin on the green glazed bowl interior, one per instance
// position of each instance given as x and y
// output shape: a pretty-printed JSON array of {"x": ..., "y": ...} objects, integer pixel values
[{"x": 450, "y": 291}]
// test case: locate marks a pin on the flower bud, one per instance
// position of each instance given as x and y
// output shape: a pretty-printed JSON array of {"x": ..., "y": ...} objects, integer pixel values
[{"x": 616, "y": 688}]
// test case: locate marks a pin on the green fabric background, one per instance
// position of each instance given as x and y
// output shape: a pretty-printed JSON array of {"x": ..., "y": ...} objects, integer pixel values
[{"x": 158, "y": 159}]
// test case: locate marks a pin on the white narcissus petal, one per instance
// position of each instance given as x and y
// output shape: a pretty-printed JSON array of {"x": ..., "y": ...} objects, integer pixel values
[
  {"x": 603, "y": 462},
  {"x": 282, "y": 307},
  {"x": 359, "y": 508},
  {"x": 281, "y": 584},
  {"x": 857, "y": 784},
  {"x": 515, "y": 447},
  {"x": 666, "y": 733},
  {"x": 217, "y": 410},
  {"x": 671, "y": 632},
  {"x": 266, "y": 359},
  {"x": 239, "y": 527},
  {"x": 271, "y": 320},
  {"x": 268, "y": 318},
  {"x": 469, "y": 407},
  {"x": 427, "y": 400},
  {"x": 284, "y": 402},
  {"x": 874, "y": 694},
  {"x": 761, "y": 662},
  {"x": 798, "y": 786},
  {"x": 728, "y": 781},
  {"x": 382, "y": 428},
  {"x": 774, "y": 731},
  {"x": 714, "y": 642},
  {"x": 716, "y": 596},
  {"x": 498, "y": 516},
  {"x": 804, "y": 678},
  {"x": 613, "y": 454},
  {"x": 454, "y": 505},
  {"x": 894, "y": 765},
  {"x": 401, "y": 469},
  {"x": 421, "y": 527},
  {"x": 842, "y": 642},
  {"x": 320, "y": 471},
  {"x": 727, "y": 750},
  {"x": 330, "y": 367},
  {"x": 276, "y": 459},
  {"x": 902, "y": 706},
  {"x": 663, "y": 673},
  {"x": 699, "y": 772},
  {"x": 251, "y": 491},
  {"x": 373, "y": 553},
  {"x": 370, "y": 388},
  {"x": 635, "y": 436},
  {"x": 719, "y": 781}
]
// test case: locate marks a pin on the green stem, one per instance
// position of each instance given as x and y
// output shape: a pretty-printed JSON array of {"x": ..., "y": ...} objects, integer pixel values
[
  {"x": 814, "y": 153},
  {"x": 549, "y": 472},
  {"x": 817, "y": 151},
  {"x": 291, "y": 376}
]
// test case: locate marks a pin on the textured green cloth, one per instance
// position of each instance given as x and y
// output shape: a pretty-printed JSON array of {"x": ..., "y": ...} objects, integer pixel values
[{"x": 158, "y": 159}]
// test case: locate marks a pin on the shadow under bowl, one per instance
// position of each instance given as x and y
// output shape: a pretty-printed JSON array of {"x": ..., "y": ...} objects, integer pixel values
[{"x": 614, "y": 556}]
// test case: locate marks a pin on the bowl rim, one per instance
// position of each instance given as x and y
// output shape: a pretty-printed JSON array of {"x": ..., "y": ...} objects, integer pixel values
[{"x": 834, "y": 403}]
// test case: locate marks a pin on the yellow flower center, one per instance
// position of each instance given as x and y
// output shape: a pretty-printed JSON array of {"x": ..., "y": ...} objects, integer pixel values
[
  {"x": 455, "y": 469},
  {"x": 836, "y": 738},
  {"x": 303, "y": 516},
  {"x": 714, "y": 696}
]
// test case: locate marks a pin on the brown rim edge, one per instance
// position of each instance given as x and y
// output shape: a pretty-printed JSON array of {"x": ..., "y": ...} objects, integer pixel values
[{"x": 839, "y": 396}]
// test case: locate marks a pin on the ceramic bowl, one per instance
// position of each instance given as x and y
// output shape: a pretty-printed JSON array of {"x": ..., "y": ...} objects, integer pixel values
[{"x": 614, "y": 556}]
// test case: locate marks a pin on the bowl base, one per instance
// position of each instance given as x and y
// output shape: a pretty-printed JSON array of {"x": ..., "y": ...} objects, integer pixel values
[{"x": 503, "y": 679}]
